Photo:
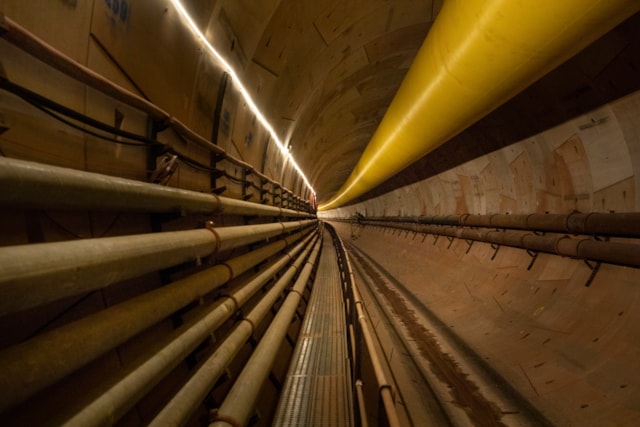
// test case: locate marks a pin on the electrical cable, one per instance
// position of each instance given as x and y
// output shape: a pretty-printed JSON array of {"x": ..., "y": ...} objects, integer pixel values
[
  {"x": 46, "y": 105},
  {"x": 56, "y": 111},
  {"x": 84, "y": 130}
]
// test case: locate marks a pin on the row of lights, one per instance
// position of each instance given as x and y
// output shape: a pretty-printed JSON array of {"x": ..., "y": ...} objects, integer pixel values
[{"x": 245, "y": 94}]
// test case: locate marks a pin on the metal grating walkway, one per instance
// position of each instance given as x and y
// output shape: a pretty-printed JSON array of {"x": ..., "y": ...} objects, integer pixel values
[{"x": 317, "y": 390}]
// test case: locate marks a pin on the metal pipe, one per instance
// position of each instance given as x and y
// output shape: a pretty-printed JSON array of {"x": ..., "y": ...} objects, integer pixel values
[
  {"x": 626, "y": 224},
  {"x": 35, "y": 274},
  {"x": 240, "y": 401},
  {"x": 623, "y": 224},
  {"x": 182, "y": 405},
  {"x": 361, "y": 406},
  {"x": 116, "y": 400},
  {"x": 478, "y": 54},
  {"x": 28, "y": 42},
  {"x": 32, "y": 275},
  {"x": 626, "y": 254},
  {"x": 41, "y": 361},
  {"x": 38, "y": 186},
  {"x": 385, "y": 387}
]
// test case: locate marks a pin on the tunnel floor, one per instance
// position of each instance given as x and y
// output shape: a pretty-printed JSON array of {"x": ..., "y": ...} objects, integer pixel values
[{"x": 541, "y": 347}]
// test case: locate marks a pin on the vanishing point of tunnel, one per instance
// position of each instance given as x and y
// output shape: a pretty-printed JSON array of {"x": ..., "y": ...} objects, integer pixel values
[{"x": 320, "y": 213}]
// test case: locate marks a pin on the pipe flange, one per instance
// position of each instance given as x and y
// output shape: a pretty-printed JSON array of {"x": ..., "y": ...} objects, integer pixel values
[
  {"x": 250, "y": 322},
  {"x": 218, "y": 203},
  {"x": 235, "y": 301},
  {"x": 388, "y": 387},
  {"x": 214, "y": 416},
  {"x": 232, "y": 275},
  {"x": 526, "y": 220},
  {"x": 568, "y": 223},
  {"x": 295, "y": 291},
  {"x": 210, "y": 225}
]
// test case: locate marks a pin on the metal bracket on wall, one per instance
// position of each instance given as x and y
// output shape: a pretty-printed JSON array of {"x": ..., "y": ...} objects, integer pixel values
[
  {"x": 450, "y": 239},
  {"x": 534, "y": 257},
  {"x": 469, "y": 245},
  {"x": 497, "y": 248},
  {"x": 219, "y": 190},
  {"x": 594, "y": 270}
]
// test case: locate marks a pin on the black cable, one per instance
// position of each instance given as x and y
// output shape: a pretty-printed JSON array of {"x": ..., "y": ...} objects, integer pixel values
[
  {"x": 55, "y": 110},
  {"x": 46, "y": 104},
  {"x": 80, "y": 128}
]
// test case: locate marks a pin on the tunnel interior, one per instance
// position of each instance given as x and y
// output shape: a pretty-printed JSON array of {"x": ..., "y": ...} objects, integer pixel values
[{"x": 163, "y": 259}]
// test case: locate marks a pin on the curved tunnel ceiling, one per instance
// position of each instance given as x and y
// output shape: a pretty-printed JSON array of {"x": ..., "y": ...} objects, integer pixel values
[{"x": 325, "y": 72}]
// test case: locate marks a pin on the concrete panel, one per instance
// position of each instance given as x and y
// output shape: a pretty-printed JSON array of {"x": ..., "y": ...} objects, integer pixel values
[
  {"x": 64, "y": 24},
  {"x": 149, "y": 38},
  {"x": 566, "y": 348}
]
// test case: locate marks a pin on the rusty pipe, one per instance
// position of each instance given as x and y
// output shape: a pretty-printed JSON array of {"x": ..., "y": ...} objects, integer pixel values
[
  {"x": 623, "y": 224},
  {"x": 625, "y": 254}
]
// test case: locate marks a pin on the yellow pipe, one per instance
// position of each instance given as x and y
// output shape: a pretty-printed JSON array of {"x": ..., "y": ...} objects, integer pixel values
[{"x": 478, "y": 54}]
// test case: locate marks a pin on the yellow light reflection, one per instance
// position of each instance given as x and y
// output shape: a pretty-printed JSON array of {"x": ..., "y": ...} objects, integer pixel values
[{"x": 245, "y": 94}]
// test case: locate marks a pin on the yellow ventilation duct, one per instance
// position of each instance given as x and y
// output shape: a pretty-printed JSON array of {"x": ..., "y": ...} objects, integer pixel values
[{"x": 478, "y": 55}]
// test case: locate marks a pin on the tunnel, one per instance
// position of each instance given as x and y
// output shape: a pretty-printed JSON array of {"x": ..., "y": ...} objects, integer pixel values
[{"x": 320, "y": 213}]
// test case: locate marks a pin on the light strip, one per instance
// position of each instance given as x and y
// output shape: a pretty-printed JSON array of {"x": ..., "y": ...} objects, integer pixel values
[{"x": 245, "y": 94}]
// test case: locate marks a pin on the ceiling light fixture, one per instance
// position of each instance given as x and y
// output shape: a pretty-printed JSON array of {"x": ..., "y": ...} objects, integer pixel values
[{"x": 245, "y": 94}]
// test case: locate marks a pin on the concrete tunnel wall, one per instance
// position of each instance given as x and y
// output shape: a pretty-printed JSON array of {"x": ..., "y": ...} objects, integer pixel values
[
  {"x": 149, "y": 51},
  {"x": 164, "y": 63},
  {"x": 571, "y": 350}
]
